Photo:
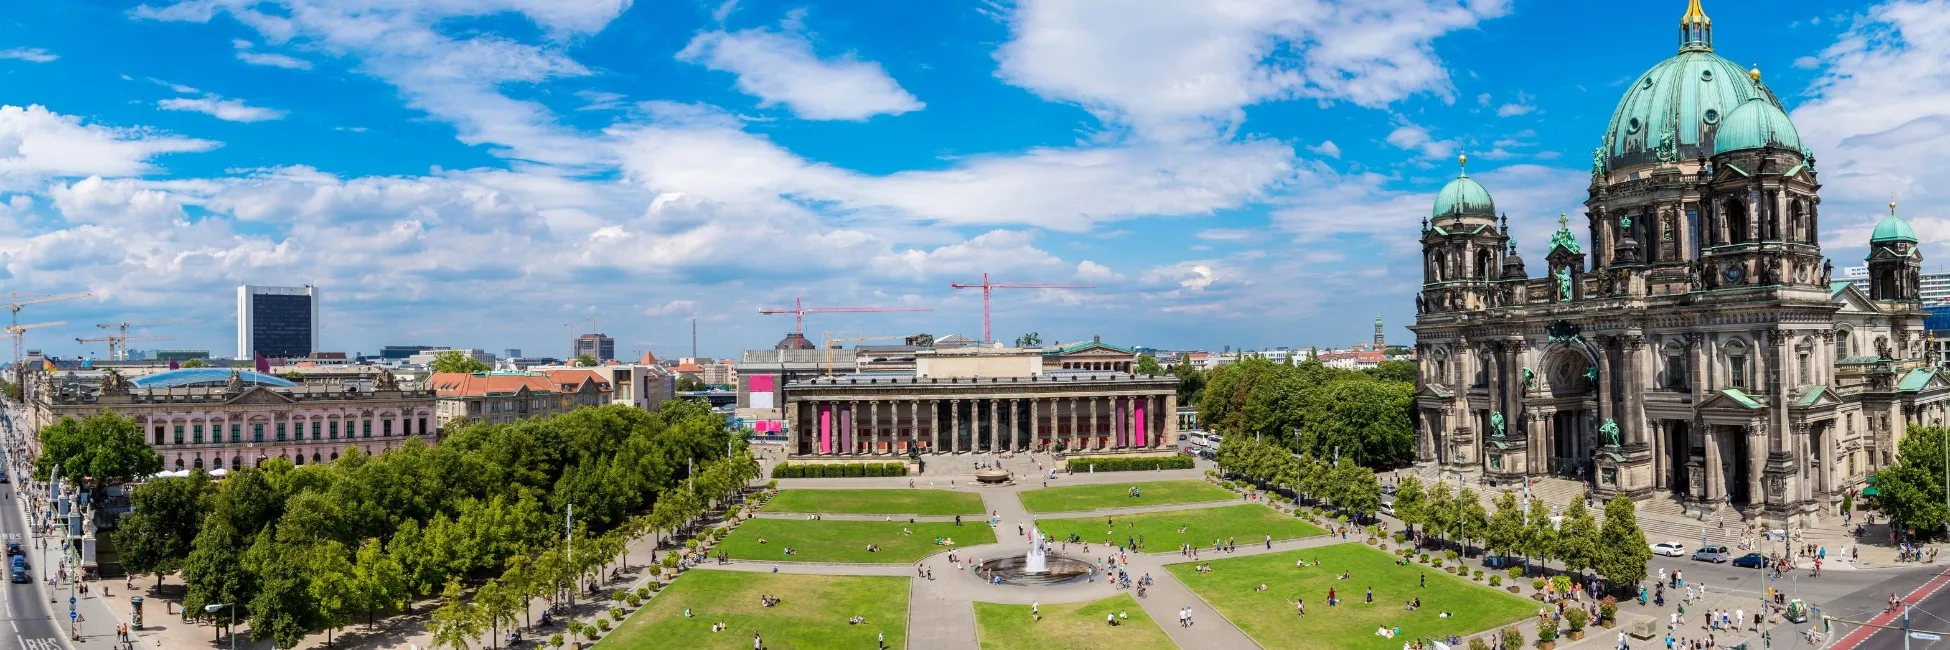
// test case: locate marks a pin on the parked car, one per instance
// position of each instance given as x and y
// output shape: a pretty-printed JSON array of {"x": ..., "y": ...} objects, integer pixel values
[
  {"x": 19, "y": 576},
  {"x": 1669, "y": 549},
  {"x": 13, "y": 549},
  {"x": 1714, "y": 554},
  {"x": 1388, "y": 509},
  {"x": 1751, "y": 561},
  {"x": 1388, "y": 489}
]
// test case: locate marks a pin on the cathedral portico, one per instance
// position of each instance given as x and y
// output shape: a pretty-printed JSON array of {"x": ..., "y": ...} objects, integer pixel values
[{"x": 1699, "y": 347}]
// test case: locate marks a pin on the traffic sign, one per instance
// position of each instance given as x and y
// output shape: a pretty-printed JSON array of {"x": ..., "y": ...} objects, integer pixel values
[
  {"x": 1925, "y": 636},
  {"x": 73, "y": 615},
  {"x": 71, "y": 601}
]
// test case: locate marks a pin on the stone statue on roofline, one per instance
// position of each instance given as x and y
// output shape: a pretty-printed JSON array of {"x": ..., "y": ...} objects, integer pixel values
[{"x": 1610, "y": 430}]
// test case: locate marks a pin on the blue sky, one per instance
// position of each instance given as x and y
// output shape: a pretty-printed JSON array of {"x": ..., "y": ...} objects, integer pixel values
[{"x": 486, "y": 172}]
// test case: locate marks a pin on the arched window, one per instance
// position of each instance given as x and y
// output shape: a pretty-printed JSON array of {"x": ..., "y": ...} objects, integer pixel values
[
  {"x": 1734, "y": 214},
  {"x": 1483, "y": 264},
  {"x": 1737, "y": 364},
  {"x": 1842, "y": 343}
]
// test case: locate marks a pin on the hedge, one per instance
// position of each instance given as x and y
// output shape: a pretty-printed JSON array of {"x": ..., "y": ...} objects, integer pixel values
[
  {"x": 1117, "y": 464},
  {"x": 838, "y": 470}
]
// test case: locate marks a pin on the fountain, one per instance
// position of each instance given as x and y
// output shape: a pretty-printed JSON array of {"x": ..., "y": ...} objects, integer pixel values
[
  {"x": 1037, "y": 567},
  {"x": 1037, "y": 560}
]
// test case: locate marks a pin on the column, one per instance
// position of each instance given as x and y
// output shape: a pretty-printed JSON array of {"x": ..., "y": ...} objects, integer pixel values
[
  {"x": 1604, "y": 384},
  {"x": 954, "y": 425},
  {"x": 1635, "y": 390},
  {"x": 935, "y": 445},
  {"x": 914, "y": 422},
  {"x": 873, "y": 418},
  {"x": 1715, "y": 487},
  {"x": 1130, "y": 422},
  {"x": 1015, "y": 418},
  {"x": 1169, "y": 416},
  {"x": 995, "y": 420},
  {"x": 1074, "y": 431},
  {"x": 1035, "y": 427},
  {"x": 1091, "y": 441},
  {"x": 1757, "y": 442}
]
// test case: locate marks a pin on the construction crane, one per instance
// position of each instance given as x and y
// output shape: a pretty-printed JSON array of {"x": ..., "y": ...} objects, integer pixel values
[
  {"x": 830, "y": 340},
  {"x": 14, "y": 302},
  {"x": 986, "y": 286},
  {"x": 123, "y": 328},
  {"x": 17, "y": 331},
  {"x": 799, "y": 311},
  {"x": 120, "y": 343}
]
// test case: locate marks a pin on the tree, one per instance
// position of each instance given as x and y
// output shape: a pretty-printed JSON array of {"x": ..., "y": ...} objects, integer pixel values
[
  {"x": 1147, "y": 365},
  {"x": 196, "y": 363},
  {"x": 457, "y": 361},
  {"x": 1911, "y": 491},
  {"x": 1471, "y": 521},
  {"x": 1438, "y": 511},
  {"x": 1577, "y": 538},
  {"x": 587, "y": 361},
  {"x": 282, "y": 611},
  {"x": 690, "y": 384},
  {"x": 497, "y": 604},
  {"x": 1410, "y": 502},
  {"x": 457, "y": 622},
  {"x": 1396, "y": 371},
  {"x": 380, "y": 580},
  {"x": 1505, "y": 532},
  {"x": 1360, "y": 491},
  {"x": 335, "y": 587},
  {"x": 1539, "y": 534},
  {"x": 1191, "y": 382},
  {"x": 294, "y": 376},
  {"x": 1623, "y": 553},
  {"x": 165, "y": 515},
  {"x": 105, "y": 449}
]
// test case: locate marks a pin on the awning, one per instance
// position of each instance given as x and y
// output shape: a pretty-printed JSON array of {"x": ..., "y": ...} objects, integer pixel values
[{"x": 1869, "y": 491}]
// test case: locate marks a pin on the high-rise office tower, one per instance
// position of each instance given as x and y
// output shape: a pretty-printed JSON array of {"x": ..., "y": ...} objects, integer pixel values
[
  {"x": 276, "y": 322},
  {"x": 594, "y": 344}
]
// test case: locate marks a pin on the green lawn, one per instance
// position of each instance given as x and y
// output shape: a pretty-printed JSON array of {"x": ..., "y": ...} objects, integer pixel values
[
  {"x": 846, "y": 541},
  {"x": 877, "y": 502},
  {"x": 1248, "y": 523},
  {"x": 1080, "y": 498},
  {"x": 1073, "y": 626},
  {"x": 813, "y": 614},
  {"x": 1268, "y": 616}
]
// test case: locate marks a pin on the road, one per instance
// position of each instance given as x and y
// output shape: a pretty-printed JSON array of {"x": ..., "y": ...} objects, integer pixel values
[{"x": 30, "y": 618}]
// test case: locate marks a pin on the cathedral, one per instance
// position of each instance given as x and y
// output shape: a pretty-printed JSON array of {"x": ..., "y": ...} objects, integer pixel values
[{"x": 1691, "y": 342}]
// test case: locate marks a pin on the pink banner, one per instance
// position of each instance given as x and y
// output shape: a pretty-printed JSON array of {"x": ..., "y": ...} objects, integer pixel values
[
  {"x": 825, "y": 429},
  {"x": 1140, "y": 423},
  {"x": 759, "y": 383}
]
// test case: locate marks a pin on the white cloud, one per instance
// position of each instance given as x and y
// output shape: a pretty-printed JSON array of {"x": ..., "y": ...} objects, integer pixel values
[
  {"x": 1192, "y": 276},
  {"x": 1326, "y": 148},
  {"x": 672, "y": 307},
  {"x": 37, "y": 144},
  {"x": 704, "y": 154},
  {"x": 779, "y": 67},
  {"x": 1172, "y": 70},
  {"x": 29, "y": 54},
  {"x": 229, "y": 110},
  {"x": 1876, "y": 123},
  {"x": 455, "y": 79},
  {"x": 1227, "y": 234},
  {"x": 1416, "y": 138},
  {"x": 274, "y": 60},
  {"x": 1094, "y": 272},
  {"x": 1520, "y": 107}
]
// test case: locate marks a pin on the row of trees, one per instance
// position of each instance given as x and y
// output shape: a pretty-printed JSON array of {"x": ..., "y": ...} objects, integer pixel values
[
  {"x": 308, "y": 548},
  {"x": 1344, "y": 484},
  {"x": 1616, "y": 549},
  {"x": 1311, "y": 409}
]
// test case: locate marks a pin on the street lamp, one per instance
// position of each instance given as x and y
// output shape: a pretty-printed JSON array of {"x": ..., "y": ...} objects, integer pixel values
[{"x": 212, "y": 608}]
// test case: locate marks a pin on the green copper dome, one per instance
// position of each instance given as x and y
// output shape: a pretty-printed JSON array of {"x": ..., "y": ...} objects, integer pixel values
[
  {"x": 1756, "y": 124},
  {"x": 1464, "y": 197},
  {"x": 1892, "y": 229},
  {"x": 1671, "y": 111}
]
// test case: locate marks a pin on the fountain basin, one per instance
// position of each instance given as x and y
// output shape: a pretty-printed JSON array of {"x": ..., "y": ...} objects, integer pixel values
[
  {"x": 992, "y": 476},
  {"x": 1014, "y": 570}
]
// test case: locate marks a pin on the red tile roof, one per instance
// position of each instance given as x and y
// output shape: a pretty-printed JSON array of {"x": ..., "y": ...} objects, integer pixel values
[
  {"x": 571, "y": 380},
  {"x": 458, "y": 384}
]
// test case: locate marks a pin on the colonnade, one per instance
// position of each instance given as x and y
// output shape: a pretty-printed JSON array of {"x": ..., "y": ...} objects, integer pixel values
[{"x": 867, "y": 426}]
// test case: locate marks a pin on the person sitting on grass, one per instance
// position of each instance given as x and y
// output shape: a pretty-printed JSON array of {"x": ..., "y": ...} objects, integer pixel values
[
  {"x": 856, "y": 620},
  {"x": 1344, "y": 575},
  {"x": 1259, "y": 587},
  {"x": 905, "y": 531},
  {"x": 789, "y": 551},
  {"x": 761, "y": 540}
]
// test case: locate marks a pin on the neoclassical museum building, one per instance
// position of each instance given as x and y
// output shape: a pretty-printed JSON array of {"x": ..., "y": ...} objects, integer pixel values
[
  {"x": 1691, "y": 340},
  {"x": 219, "y": 418}
]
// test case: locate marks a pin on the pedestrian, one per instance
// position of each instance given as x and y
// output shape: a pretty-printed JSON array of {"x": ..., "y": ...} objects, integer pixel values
[
  {"x": 1425, "y": 581},
  {"x": 1269, "y": 542},
  {"x": 1035, "y": 611}
]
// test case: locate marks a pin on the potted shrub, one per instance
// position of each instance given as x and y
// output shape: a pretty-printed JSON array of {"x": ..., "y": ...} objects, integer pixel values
[
  {"x": 634, "y": 600},
  {"x": 616, "y": 613},
  {"x": 1496, "y": 580},
  {"x": 1574, "y": 619},
  {"x": 1512, "y": 638},
  {"x": 555, "y": 640},
  {"x": 1478, "y": 575},
  {"x": 1516, "y": 572},
  {"x": 1477, "y": 643},
  {"x": 1561, "y": 585},
  {"x": 1424, "y": 558},
  {"x": 642, "y": 592},
  {"x": 1546, "y": 634},
  {"x": 602, "y": 624},
  {"x": 1450, "y": 555},
  {"x": 1384, "y": 547},
  {"x": 1608, "y": 612},
  {"x": 1371, "y": 541},
  {"x": 1538, "y": 583}
]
